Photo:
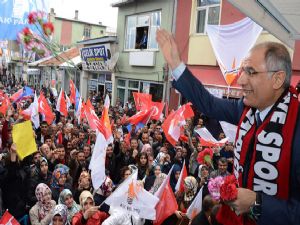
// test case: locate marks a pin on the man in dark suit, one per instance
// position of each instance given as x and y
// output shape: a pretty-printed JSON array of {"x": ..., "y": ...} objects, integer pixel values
[{"x": 267, "y": 153}]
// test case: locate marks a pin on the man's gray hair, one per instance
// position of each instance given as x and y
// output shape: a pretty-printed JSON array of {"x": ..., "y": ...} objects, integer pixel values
[{"x": 277, "y": 58}]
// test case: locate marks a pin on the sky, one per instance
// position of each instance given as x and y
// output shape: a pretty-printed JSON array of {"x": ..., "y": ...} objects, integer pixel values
[{"x": 89, "y": 10}]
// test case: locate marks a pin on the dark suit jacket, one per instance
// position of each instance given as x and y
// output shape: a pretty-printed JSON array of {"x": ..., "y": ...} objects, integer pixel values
[{"x": 274, "y": 211}]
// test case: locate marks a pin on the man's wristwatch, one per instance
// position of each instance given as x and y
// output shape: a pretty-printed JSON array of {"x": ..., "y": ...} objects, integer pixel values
[{"x": 255, "y": 209}]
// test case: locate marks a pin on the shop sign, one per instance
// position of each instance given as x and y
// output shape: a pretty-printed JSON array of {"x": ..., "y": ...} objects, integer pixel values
[{"x": 96, "y": 58}]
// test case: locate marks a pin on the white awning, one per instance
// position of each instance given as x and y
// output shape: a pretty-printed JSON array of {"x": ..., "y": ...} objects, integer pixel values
[
  {"x": 280, "y": 17},
  {"x": 75, "y": 61}
]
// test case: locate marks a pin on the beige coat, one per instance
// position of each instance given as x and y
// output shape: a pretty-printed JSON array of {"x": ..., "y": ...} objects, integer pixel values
[{"x": 34, "y": 215}]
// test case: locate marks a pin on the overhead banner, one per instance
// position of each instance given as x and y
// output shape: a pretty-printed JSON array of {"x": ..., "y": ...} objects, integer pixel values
[
  {"x": 231, "y": 43},
  {"x": 13, "y": 15},
  {"x": 96, "y": 58}
]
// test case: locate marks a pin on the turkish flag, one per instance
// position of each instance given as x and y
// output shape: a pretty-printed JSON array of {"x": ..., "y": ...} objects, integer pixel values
[
  {"x": 5, "y": 103},
  {"x": 157, "y": 110},
  {"x": 61, "y": 105},
  {"x": 167, "y": 204},
  {"x": 142, "y": 100},
  {"x": 8, "y": 219},
  {"x": 72, "y": 92},
  {"x": 92, "y": 118},
  {"x": 172, "y": 126},
  {"x": 141, "y": 117},
  {"x": 45, "y": 109}
]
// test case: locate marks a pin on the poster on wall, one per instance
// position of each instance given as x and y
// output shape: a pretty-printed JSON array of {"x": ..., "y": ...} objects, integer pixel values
[
  {"x": 96, "y": 58},
  {"x": 13, "y": 15}
]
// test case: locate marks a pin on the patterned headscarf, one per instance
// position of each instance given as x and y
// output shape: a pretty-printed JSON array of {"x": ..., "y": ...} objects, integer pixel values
[
  {"x": 60, "y": 210},
  {"x": 191, "y": 185},
  {"x": 158, "y": 181},
  {"x": 75, "y": 207},
  {"x": 62, "y": 166},
  {"x": 57, "y": 173},
  {"x": 44, "y": 207}
]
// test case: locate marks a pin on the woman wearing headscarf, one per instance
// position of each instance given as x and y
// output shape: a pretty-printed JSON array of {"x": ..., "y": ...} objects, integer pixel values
[
  {"x": 66, "y": 198},
  {"x": 43, "y": 175},
  {"x": 58, "y": 182},
  {"x": 40, "y": 213},
  {"x": 60, "y": 215},
  {"x": 89, "y": 213},
  {"x": 152, "y": 183},
  {"x": 142, "y": 165},
  {"x": 174, "y": 176}
]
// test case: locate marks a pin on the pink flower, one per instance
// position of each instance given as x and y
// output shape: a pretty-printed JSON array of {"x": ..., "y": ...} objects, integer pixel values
[{"x": 214, "y": 186}]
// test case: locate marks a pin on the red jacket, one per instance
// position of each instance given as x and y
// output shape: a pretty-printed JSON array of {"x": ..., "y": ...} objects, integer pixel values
[{"x": 96, "y": 219}]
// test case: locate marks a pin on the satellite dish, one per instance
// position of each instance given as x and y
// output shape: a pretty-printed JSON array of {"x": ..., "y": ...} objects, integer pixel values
[{"x": 113, "y": 61}]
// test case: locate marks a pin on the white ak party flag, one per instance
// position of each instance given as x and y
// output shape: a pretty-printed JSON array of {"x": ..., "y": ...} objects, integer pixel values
[
  {"x": 195, "y": 206},
  {"x": 207, "y": 136},
  {"x": 97, "y": 164},
  {"x": 231, "y": 43},
  {"x": 131, "y": 197},
  {"x": 229, "y": 130}
]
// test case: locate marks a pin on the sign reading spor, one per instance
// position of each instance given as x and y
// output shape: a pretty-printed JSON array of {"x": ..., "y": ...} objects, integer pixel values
[{"x": 96, "y": 58}]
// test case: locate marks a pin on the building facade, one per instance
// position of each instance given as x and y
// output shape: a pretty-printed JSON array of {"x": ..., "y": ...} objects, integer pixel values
[
  {"x": 140, "y": 67},
  {"x": 69, "y": 31}
]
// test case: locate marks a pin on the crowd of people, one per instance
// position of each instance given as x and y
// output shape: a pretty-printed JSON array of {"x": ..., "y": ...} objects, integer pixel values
[{"x": 54, "y": 186}]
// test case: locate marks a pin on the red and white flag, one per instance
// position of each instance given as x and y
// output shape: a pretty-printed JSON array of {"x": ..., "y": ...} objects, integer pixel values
[
  {"x": 207, "y": 136},
  {"x": 157, "y": 110},
  {"x": 92, "y": 118},
  {"x": 68, "y": 101},
  {"x": 45, "y": 109},
  {"x": 173, "y": 124},
  {"x": 180, "y": 183},
  {"x": 195, "y": 206},
  {"x": 167, "y": 204},
  {"x": 61, "y": 105},
  {"x": 8, "y": 219},
  {"x": 32, "y": 112},
  {"x": 142, "y": 100},
  {"x": 5, "y": 103},
  {"x": 141, "y": 117}
]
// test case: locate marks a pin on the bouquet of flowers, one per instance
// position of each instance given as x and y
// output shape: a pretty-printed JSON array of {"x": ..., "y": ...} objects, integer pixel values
[
  {"x": 224, "y": 189},
  {"x": 38, "y": 42}
]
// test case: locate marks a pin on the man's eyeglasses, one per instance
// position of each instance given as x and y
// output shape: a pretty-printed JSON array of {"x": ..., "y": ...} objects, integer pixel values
[{"x": 249, "y": 71}]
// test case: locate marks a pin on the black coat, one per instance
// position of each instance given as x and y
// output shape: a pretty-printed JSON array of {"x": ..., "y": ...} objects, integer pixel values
[{"x": 13, "y": 189}]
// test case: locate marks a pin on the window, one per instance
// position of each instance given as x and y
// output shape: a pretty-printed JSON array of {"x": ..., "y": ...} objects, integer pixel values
[
  {"x": 87, "y": 31},
  {"x": 208, "y": 12},
  {"x": 141, "y": 29}
]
